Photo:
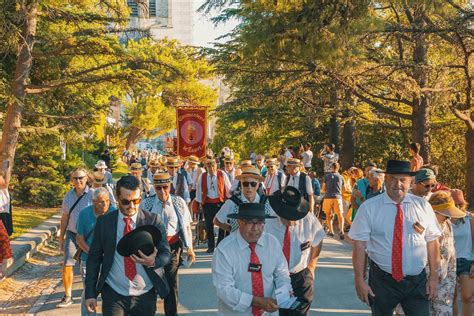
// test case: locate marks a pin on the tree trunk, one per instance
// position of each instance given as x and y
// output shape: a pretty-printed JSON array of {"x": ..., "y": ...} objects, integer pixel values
[
  {"x": 469, "y": 136},
  {"x": 421, "y": 105},
  {"x": 11, "y": 127},
  {"x": 348, "y": 145},
  {"x": 133, "y": 136},
  {"x": 334, "y": 126}
]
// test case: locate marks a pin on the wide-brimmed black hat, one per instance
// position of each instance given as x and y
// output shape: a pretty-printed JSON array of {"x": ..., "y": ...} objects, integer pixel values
[
  {"x": 144, "y": 238},
  {"x": 251, "y": 211},
  {"x": 399, "y": 167},
  {"x": 289, "y": 204}
]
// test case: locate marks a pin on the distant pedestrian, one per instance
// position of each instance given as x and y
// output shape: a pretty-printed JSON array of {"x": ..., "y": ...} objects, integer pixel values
[
  {"x": 275, "y": 178},
  {"x": 99, "y": 181},
  {"x": 307, "y": 157},
  {"x": 5, "y": 208},
  {"x": 101, "y": 166},
  {"x": 416, "y": 161},
  {"x": 332, "y": 204},
  {"x": 300, "y": 180},
  {"x": 329, "y": 157}
]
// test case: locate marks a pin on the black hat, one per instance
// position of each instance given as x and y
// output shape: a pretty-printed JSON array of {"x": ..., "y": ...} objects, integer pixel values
[
  {"x": 399, "y": 167},
  {"x": 251, "y": 211},
  {"x": 143, "y": 238},
  {"x": 289, "y": 204}
]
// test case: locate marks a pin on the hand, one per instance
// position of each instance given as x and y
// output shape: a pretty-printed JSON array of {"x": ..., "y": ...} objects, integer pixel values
[
  {"x": 91, "y": 305},
  {"x": 268, "y": 304},
  {"x": 191, "y": 255},
  {"x": 148, "y": 261},
  {"x": 363, "y": 291},
  {"x": 432, "y": 286}
]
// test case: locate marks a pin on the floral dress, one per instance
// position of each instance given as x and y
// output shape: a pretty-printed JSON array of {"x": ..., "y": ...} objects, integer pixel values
[
  {"x": 5, "y": 248},
  {"x": 442, "y": 305}
]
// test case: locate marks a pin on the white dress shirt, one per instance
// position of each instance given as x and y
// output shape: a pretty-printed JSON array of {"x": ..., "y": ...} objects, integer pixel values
[
  {"x": 304, "y": 231},
  {"x": 375, "y": 221},
  {"x": 232, "y": 280},
  {"x": 193, "y": 174},
  {"x": 117, "y": 279},
  {"x": 271, "y": 183},
  {"x": 211, "y": 186},
  {"x": 229, "y": 207},
  {"x": 294, "y": 181}
]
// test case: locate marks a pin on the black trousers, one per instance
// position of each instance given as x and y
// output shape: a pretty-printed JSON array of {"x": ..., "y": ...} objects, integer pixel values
[
  {"x": 221, "y": 235},
  {"x": 210, "y": 211},
  {"x": 114, "y": 304},
  {"x": 410, "y": 293},
  {"x": 171, "y": 275},
  {"x": 302, "y": 283}
]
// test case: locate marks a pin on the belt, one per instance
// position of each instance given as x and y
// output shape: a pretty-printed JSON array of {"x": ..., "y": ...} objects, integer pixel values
[
  {"x": 405, "y": 277},
  {"x": 173, "y": 239},
  {"x": 212, "y": 200}
]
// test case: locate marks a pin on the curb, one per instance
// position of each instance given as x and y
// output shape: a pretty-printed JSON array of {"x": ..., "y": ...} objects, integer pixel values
[{"x": 30, "y": 242}]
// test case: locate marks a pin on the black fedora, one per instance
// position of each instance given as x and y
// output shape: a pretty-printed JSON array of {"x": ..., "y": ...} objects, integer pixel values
[
  {"x": 251, "y": 211},
  {"x": 289, "y": 204},
  {"x": 143, "y": 238},
  {"x": 399, "y": 167}
]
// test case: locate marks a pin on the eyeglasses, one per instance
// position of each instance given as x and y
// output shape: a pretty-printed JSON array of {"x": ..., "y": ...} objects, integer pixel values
[
  {"x": 161, "y": 187},
  {"x": 258, "y": 222},
  {"x": 127, "y": 202},
  {"x": 78, "y": 178},
  {"x": 228, "y": 163},
  {"x": 247, "y": 184},
  {"x": 429, "y": 186}
]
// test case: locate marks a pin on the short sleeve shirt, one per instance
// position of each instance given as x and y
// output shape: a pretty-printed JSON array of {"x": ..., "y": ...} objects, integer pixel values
[
  {"x": 69, "y": 199},
  {"x": 334, "y": 184}
]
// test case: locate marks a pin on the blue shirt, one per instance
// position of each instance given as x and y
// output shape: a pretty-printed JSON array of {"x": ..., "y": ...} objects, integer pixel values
[
  {"x": 316, "y": 187},
  {"x": 86, "y": 224}
]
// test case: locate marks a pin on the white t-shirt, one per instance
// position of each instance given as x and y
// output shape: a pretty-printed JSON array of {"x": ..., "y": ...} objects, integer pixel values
[{"x": 307, "y": 157}]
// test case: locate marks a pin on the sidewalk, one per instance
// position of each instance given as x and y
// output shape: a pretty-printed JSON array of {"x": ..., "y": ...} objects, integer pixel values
[{"x": 334, "y": 287}]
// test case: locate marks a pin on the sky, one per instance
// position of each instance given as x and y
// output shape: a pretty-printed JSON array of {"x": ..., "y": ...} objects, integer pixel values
[{"x": 204, "y": 30}]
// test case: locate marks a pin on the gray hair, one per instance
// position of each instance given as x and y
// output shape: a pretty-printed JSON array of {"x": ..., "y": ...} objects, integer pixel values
[
  {"x": 376, "y": 173},
  {"x": 98, "y": 192}
]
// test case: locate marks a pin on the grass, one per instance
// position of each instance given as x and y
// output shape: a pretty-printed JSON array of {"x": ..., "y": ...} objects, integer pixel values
[
  {"x": 120, "y": 170},
  {"x": 25, "y": 218}
]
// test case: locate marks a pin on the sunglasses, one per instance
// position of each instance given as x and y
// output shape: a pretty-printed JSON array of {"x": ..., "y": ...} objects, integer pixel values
[
  {"x": 229, "y": 163},
  {"x": 247, "y": 184},
  {"x": 78, "y": 178},
  {"x": 127, "y": 202},
  {"x": 429, "y": 186},
  {"x": 161, "y": 187}
]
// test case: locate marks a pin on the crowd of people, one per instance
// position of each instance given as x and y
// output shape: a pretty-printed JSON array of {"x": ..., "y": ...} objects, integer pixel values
[{"x": 412, "y": 236}]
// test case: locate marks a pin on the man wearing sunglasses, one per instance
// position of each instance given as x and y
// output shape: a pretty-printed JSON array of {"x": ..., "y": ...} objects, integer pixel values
[
  {"x": 250, "y": 179},
  {"x": 78, "y": 198},
  {"x": 179, "y": 181},
  {"x": 229, "y": 168},
  {"x": 425, "y": 182},
  {"x": 128, "y": 285},
  {"x": 177, "y": 219},
  {"x": 212, "y": 189}
]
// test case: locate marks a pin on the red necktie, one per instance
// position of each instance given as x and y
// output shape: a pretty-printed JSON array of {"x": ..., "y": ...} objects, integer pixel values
[
  {"x": 257, "y": 280},
  {"x": 130, "y": 268},
  {"x": 397, "y": 246},
  {"x": 286, "y": 245}
]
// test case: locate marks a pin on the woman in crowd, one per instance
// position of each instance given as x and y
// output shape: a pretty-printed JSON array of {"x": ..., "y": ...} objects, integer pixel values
[{"x": 5, "y": 248}]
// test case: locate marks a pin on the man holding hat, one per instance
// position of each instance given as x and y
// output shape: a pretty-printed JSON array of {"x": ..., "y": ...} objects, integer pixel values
[
  {"x": 101, "y": 166},
  {"x": 212, "y": 189},
  {"x": 275, "y": 178},
  {"x": 179, "y": 182},
  {"x": 300, "y": 180},
  {"x": 301, "y": 236},
  {"x": 248, "y": 266},
  {"x": 399, "y": 233},
  {"x": 175, "y": 214},
  {"x": 128, "y": 274},
  {"x": 425, "y": 181},
  {"x": 250, "y": 179},
  {"x": 136, "y": 170}
]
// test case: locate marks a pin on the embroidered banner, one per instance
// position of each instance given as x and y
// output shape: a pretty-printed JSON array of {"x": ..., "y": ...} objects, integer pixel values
[{"x": 191, "y": 122}]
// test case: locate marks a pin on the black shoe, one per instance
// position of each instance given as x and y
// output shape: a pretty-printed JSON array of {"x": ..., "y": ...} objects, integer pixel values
[
  {"x": 330, "y": 234},
  {"x": 341, "y": 236},
  {"x": 210, "y": 250},
  {"x": 65, "y": 301}
]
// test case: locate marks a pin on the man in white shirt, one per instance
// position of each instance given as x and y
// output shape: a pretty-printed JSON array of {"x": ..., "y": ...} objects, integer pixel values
[
  {"x": 248, "y": 266},
  {"x": 194, "y": 172},
  {"x": 307, "y": 157},
  {"x": 275, "y": 179},
  {"x": 399, "y": 232},
  {"x": 301, "y": 236},
  {"x": 212, "y": 189},
  {"x": 229, "y": 168},
  {"x": 300, "y": 180}
]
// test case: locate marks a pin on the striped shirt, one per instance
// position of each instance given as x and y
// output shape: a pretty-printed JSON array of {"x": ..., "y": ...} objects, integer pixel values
[{"x": 69, "y": 199}]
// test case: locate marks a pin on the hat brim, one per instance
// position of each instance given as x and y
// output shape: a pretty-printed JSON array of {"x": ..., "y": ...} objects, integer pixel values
[
  {"x": 240, "y": 216},
  {"x": 408, "y": 173},
  {"x": 288, "y": 212},
  {"x": 103, "y": 181},
  {"x": 452, "y": 212},
  {"x": 125, "y": 247},
  {"x": 247, "y": 175}
]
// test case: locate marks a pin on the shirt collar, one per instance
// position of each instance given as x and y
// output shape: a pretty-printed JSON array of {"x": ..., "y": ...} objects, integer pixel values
[
  {"x": 297, "y": 174},
  {"x": 134, "y": 217},
  {"x": 168, "y": 202},
  {"x": 244, "y": 244},
  {"x": 245, "y": 200}
]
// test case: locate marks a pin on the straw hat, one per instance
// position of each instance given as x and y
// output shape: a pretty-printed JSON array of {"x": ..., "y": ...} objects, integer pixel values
[
  {"x": 246, "y": 163},
  {"x": 99, "y": 177},
  {"x": 250, "y": 172},
  {"x": 153, "y": 164},
  {"x": 193, "y": 160},
  {"x": 162, "y": 160},
  {"x": 228, "y": 158},
  {"x": 172, "y": 162},
  {"x": 136, "y": 166},
  {"x": 161, "y": 178},
  {"x": 271, "y": 162},
  {"x": 293, "y": 162},
  {"x": 210, "y": 161}
]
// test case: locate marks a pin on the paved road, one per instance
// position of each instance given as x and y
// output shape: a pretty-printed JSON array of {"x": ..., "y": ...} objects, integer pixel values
[{"x": 334, "y": 289}]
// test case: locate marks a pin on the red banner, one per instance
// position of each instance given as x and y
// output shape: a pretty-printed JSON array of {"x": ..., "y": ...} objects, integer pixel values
[{"x": 191, "y": 122}]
